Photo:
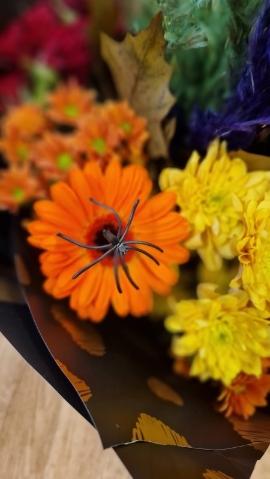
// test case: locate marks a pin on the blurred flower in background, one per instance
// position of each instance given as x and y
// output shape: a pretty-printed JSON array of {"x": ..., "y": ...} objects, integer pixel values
[
  {"x": 70, "y": 128},
  {"x": 46, "y": 42}
]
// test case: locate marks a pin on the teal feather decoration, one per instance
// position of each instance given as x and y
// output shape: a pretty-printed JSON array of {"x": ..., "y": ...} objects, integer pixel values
[{"x": 207, "y": 42}]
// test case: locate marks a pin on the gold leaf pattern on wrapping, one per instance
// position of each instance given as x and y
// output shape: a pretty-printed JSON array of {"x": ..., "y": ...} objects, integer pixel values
[
  {"x": 80, "y": 386},
  {"x": 84, "y": 334},
  {"x": 150, "y": 429},
  {"x": 215, "y": 475},
  {"x": 254, "y": 430},
  {"x": 141, "y": 76},
  {"x": 163, "y": 391},
  {"x": 21, "y": 269}
]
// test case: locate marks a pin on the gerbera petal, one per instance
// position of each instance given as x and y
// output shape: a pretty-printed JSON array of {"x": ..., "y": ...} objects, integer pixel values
[
  {"x": 156, "y": 208},
  {"x": 103, "y": 296},
  {"x": 163, "y": 271},
  {"x": 112, "y": 183},
  {"x": 79, "y": 184},
  {"x": 74, "y": 216},
  {"x": 154, "y": 282},
  {"x": 89, "y": 286},
  {"x": 65, "y": 278},
  {"x": 120, "y": 302},
  {"x": 51, "y": 213},
  {"x": 134, "y": 185},
  {"x": 65, "y": 197},
  {"x": 140, "y": 301},
  {"x": 95, "y": 180}
]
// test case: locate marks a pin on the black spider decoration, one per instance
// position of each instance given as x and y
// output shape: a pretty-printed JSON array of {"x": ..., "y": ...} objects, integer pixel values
[{"x": 117, "y": 245}]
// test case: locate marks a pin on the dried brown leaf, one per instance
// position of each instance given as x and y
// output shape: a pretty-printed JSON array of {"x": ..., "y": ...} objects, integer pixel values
[{"x": 142, "y": 77}]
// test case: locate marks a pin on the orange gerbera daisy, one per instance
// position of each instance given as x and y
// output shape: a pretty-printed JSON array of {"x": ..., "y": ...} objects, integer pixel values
[
  {"x": 244, "y": 395},
  {"x": 132, "y": 128},
  {"x": 71, "y": 213},
  {"x": 69, "y": 103},
  {"x": 15, "y": 149},
  {"x": 18, "y": 186},
  {"x": 27, "y": 121},
  {"x": 54, "y": 156},
  {"x": 98, "y": 140}
]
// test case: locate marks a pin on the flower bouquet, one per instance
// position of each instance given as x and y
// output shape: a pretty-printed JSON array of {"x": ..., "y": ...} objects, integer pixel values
[{"x": 110, "y": 193}]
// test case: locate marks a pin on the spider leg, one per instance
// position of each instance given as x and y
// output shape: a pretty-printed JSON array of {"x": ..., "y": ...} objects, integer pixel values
[
  {"x": 81, "y": 244},
  {"x": 116, "y": 272},
  {"x": 93, "y": 263},
  {"x": 129, "y": 220},
  {"x": 112, "y": 211},
  {"x": 126, "y": 271},
  {"x": 143, "y": 242},
  {"x": 133, "y": 248}
]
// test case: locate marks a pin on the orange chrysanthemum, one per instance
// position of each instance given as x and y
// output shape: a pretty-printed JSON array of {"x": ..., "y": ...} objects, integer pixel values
[
  {"x": 15, "y": 149},
  {"x": 54, "y": 156},
  {"x": 71, "y": 213},
  {"x": 132, "y": 128},
  {"x": 26, "y": 121},
  {"x": 98, "y": 140},
  {"x": 244, "y": 395},
  {"x": 18, "y": 186},
  {"x": 69, "y": 103}
]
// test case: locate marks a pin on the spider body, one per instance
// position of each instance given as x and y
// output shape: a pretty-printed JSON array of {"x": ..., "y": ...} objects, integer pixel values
[{"x": 116, "y": 245}]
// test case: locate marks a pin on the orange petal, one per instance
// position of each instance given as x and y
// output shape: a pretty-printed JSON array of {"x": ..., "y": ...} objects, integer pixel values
[
  {"x": 50, "y": 212},
  {"x": 134, "y": 185},
  {"x": 65, "y": 197},
  {"x": 95, "y": 180},
  {"x": 141, "y": 301},
  {"x": 156, "y": 208},
  {"x": 102, "y": 301},
  {"x": 120, "y": 302},
  {"x": 65, "y": 278},
  {"x": 79, "y": 184},
  {"x": 155, "y": 283},
  {"x": 89, "y": 287},
  {"x": 112, "y": 183},
  {"x": 163, "y": 271}
]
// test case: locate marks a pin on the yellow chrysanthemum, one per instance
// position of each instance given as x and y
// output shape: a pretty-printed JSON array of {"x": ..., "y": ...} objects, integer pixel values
[
  {"x": 223, "y": 334},
  {"x": 253, "y": 248},
  {"x": 204, "y": 193}
]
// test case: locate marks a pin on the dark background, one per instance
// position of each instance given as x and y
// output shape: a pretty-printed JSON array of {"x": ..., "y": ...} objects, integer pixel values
[{"x": 11, "y": 8}]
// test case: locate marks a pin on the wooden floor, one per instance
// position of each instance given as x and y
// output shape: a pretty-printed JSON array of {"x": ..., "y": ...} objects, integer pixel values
[{"x": 57, "y": 444}]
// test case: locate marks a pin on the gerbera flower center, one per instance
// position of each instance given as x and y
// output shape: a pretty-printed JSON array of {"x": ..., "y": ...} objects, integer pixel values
[
  {"x": 94, "y": 237},
  {"x": 64, "y": 161}
]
